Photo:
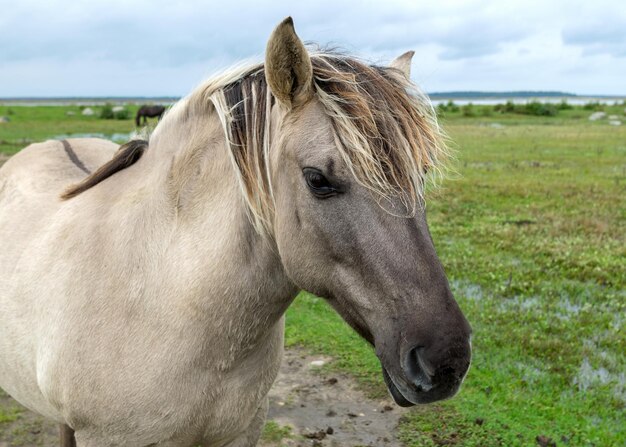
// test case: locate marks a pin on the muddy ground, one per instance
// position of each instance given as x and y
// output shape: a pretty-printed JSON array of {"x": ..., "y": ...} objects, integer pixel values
[
  {"x": 308, "y": 407},
  {"x": 313, "y": 402}
]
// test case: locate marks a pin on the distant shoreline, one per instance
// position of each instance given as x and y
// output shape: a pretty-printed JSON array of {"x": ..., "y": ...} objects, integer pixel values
[
  {"x": 493, "y": 100},
  {"x": 460, "y": 97},
  {"x": 518, "y": 94},
  {"x": 87, "y": 101}
]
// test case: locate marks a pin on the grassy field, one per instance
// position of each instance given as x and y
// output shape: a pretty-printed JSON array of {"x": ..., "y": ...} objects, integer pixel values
[
  {"x": 30, "y": 124},
  {"x": 531, "y": 227}
]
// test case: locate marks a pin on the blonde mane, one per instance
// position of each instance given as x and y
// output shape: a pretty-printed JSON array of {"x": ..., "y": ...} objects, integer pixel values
[{"x": 386, "y": 128}]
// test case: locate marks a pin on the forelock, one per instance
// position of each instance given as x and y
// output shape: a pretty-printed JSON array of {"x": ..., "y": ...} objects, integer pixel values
[{"x": 386, "y": 129}]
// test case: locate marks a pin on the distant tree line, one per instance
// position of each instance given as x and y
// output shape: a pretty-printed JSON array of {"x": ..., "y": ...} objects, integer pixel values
[
  {"x": 512, "y": 94},
  {"x": 535, "y": 108}
]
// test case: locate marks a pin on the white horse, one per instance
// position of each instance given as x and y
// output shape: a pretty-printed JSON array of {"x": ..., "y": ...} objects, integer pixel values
[{"x": 145, "y": 306}]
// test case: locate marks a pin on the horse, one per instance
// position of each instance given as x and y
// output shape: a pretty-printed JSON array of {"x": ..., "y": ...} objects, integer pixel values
[
  {"x": 143, "y": 304},
  {"x": 149, "y": 112}
]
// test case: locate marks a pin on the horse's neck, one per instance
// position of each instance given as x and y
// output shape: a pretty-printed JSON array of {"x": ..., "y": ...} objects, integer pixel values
[{"x": 223, "y": 269}]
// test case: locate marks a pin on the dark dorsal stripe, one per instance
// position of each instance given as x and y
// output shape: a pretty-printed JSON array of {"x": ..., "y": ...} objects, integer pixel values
[
  {"x": 72, "y": 156},
  {"x": 125, "y": 156}
]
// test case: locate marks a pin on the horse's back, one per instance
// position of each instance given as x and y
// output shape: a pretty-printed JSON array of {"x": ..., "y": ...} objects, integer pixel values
[
  {"x": 48, "y": 167},
  {"x": 30, "y": 184}
]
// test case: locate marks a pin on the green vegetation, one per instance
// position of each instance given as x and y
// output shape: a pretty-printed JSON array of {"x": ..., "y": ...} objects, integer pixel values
[
  {"x": 107, "y": 112},
  {"x": 37, "y": 123},
  {"x": 9, "y": 415},
  {"x": 273, "y": 432},
  {"x": 535, "y": 108},
  {"x": 123, "y": 114},
  {"x": 531, "y": 228}
]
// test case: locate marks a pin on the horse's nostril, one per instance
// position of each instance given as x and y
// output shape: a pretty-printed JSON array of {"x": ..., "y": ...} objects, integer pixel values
[{"x": 418, "y": 370}]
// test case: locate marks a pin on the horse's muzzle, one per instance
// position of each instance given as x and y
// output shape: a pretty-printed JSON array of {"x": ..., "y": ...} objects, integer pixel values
[{"x": 427, "y": 377}]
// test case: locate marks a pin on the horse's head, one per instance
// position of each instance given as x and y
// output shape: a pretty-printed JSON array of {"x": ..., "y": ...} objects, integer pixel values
[{"x": 349, "y": 151}]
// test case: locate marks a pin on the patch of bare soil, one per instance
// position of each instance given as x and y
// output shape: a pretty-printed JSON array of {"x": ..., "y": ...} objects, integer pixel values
[
  {"x": 327, "y": 409},
  {"x": 320, "y": 408},
  {"x": 3, "y": 158}
]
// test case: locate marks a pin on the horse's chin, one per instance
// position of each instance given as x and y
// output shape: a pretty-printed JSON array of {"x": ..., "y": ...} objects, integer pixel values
[{"x": 398, "y": 397}]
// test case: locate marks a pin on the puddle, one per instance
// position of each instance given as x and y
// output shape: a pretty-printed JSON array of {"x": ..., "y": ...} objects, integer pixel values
[
  {"x": 520, "y": 303},
  {"x": 116, "y": 137},
  {"x": 529, "y": 373},
  {"x": 466, "y": 289},
  {"x": 589, "y": 376},
  {"x": 567, "y": 309}
]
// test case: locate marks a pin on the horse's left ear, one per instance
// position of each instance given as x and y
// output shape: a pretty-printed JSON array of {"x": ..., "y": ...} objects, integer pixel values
[
  {"x": 403, "y": 63},
  {"x": 288, "y": 67}
]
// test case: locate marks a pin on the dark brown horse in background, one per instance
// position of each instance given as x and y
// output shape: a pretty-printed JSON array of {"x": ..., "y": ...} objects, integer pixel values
[{"x": 149, "y": 112}]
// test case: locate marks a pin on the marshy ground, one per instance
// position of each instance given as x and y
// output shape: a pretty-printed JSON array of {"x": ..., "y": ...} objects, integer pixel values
[{"x": 531, "y": 227}]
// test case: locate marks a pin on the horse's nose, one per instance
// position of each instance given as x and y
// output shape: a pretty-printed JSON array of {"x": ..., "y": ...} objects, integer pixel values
[{"x": 418, "y": 370}]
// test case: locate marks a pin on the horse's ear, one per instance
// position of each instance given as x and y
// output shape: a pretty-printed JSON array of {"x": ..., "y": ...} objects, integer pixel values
[
  {"x": 403, "y": 63},
  {"x": 288, "y": 67}
]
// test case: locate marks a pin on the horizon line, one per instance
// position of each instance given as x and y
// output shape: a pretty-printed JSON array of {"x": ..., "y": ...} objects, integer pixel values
[{"x": 440, "y": 94}]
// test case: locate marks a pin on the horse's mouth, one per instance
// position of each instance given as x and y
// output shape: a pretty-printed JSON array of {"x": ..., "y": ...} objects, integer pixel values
[
  {"x": 409, "y": 397},
  {"x": 398, "y": 397}
]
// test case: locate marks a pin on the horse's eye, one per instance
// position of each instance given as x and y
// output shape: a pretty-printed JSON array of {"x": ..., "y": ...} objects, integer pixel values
[
  {"x": 317, "y": 180},
  {"x": 318, "y": 184}
]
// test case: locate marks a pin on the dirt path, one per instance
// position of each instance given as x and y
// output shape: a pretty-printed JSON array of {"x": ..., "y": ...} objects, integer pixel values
[
  {"x": 315, "y": 403},
  {"x": 308, "y": 407}
]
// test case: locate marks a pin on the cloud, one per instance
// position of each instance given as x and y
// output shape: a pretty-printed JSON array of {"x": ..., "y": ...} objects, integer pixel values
[
  {"x": 605, "y": 33},
  {"x": 158, "y": 46},
  {"x": 171, "y": 33}
]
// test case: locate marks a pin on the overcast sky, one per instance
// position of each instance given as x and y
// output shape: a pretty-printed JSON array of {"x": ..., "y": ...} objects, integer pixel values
[{"x": 166, "y": 47}]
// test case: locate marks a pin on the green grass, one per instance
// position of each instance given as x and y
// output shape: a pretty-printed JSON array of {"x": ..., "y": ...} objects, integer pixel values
[
  {"x": 9, "y": 415},
  {"x": 531, "y": 229},
  {"x": 273, "y": 432},
  {"x": 38, "y": 123}
]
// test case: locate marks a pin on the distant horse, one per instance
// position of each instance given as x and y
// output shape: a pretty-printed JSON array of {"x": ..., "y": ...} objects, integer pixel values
[
  {"x": 145, "y": 308},
  {"x": 149, "y": 112}
]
